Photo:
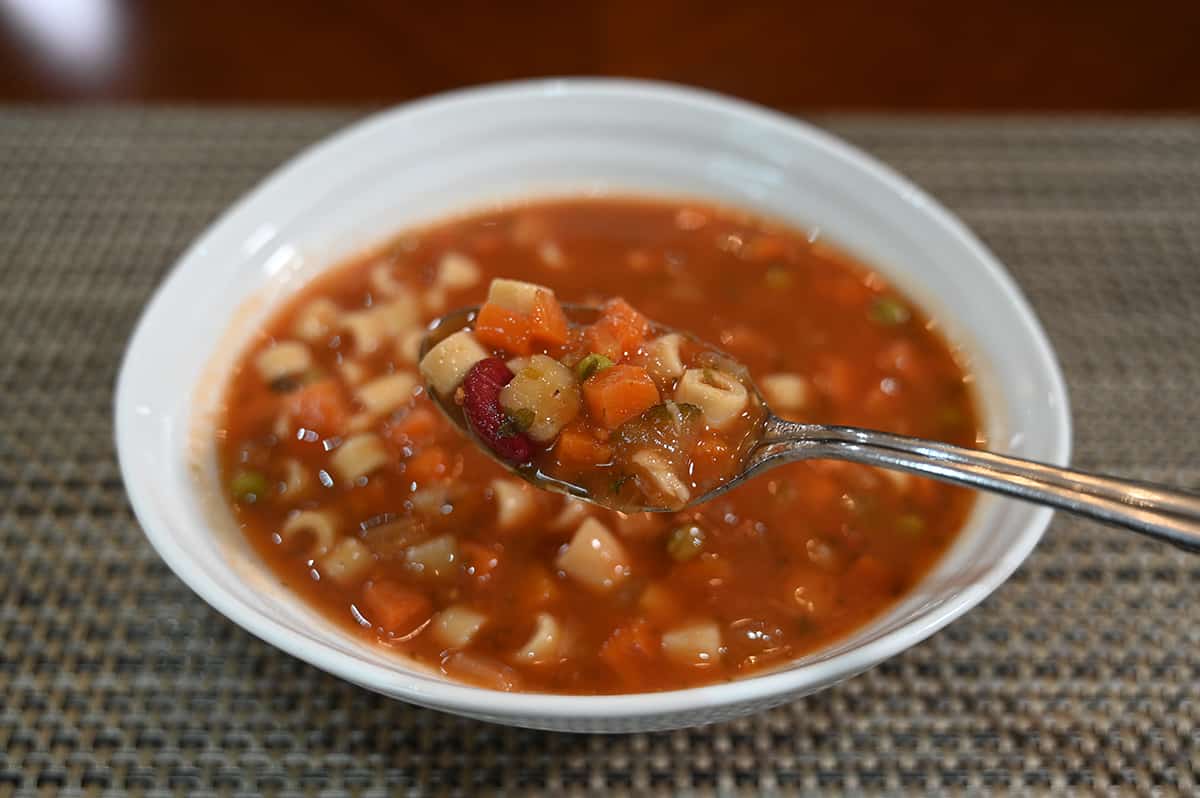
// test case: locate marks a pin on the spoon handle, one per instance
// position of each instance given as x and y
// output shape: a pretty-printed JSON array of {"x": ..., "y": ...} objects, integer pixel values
[{"x": 1158, "y": 511}]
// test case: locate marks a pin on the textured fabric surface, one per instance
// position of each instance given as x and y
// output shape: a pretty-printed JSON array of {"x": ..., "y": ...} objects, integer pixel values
[{"x": 1080, "y": 674}]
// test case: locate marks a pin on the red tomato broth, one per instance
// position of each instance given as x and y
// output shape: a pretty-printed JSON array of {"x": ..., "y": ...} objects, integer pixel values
[{"x": 790, "y": 562}]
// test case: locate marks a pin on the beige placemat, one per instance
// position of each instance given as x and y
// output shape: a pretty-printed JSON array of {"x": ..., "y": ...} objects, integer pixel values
[{"x": 1080, "y": 674}]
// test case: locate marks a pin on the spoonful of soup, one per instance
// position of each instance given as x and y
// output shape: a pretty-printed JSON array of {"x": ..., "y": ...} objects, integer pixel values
[{"x": 604, "y": 404}]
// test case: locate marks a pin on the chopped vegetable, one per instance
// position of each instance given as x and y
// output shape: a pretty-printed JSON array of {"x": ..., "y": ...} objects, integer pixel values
[
  {"x": 548, "y": 323},
  {"x": 519, "y": 420},
  {"x": 396, "y": 609},
  {"x": 481, "y": 406},
  {"x": 248, "y": 486},
  {"x": 631, "y": 651},
  {"x": 576, "y": 446},
  {"x": 685, "y": 542},
  {"x": 591, "y": 364},
  {"x": 319, "y": 406},
  {"x": 618, "y": 331},
  {"x": 508, "y": 330},
  {"x": 889, "y": 311},
  {"x": 618, "y": 394}
]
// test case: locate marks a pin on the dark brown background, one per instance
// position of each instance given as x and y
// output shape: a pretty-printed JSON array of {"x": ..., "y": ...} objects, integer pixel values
[{"x": 835, "y": 54}]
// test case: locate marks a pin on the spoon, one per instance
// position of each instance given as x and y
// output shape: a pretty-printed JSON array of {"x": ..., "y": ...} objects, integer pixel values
[{"x": 1157, "y": 511}]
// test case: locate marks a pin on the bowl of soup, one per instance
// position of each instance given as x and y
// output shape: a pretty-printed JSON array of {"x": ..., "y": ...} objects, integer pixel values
[{"x": 282, "y": 451}]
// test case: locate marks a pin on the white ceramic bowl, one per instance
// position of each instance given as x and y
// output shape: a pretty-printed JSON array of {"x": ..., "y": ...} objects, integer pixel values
[{"x": 479, "y": 147}]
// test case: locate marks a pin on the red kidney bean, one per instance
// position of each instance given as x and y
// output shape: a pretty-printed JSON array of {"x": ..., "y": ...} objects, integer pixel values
[{"x": 481, "y": 406}]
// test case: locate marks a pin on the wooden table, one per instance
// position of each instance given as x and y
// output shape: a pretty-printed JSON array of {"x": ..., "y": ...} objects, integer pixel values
[{"x": 852, "y": 54}]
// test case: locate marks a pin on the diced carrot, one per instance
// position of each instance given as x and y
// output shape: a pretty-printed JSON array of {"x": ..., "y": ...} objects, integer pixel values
[
  {"x": 428, "y": 465},
  {"x": 660, "y": 605},
  {"x": 498, "y": 328},
  {"x": 418, "y": 425},
  {"x": 537, "y": 589},
  {"x": 712, "y": 455},
  {"x": 619, "y": 330},
  {"x": 871, "y": 575},
  {"x": 619, "y": 393},
  {"x": 399, "y": 610},
  {"x": 548, "y": 323},
  {"x": 319, "y": 406},
  {"x": 632, "y": 652},
  {"x": 480, "y": 560},
  {"x": 577, "y": 446}
]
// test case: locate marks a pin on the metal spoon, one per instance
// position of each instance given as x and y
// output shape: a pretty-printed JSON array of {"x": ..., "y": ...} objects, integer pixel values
[{"x": 1158, "y": 511}]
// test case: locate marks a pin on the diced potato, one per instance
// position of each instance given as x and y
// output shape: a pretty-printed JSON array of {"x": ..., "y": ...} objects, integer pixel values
[
  {"x": 594, "y": 557},
  {"x": 348, "y": 561},
  {"x": 720, "y": 396},
  {"x": 457, "y": 271},
  {"x": 358, "y": 456},
  {"x": 545, "y": 645},
  {"x": 317, "y": 320},
  {"x": 693, "y": 644},
  {"x": 547, "y": 388},
  {"x": 662, "y": 477},
  {"x": 456, "y": 626},
  {"x": 370, "y": 328},
  {"x": 321, "y": 525},
  {"x": 446, "y": 365},
  {"x": 282, "y": 360},
  {"x": 514, "y": 295},
  {"x": 664, "y": 360},
  {"x": 785, "y": 391},
  {"x": 516, "y": 504},
  {"x": 386, "y": 394},
  {"x": 436, "y": 558},
  {"x": 517, "y": 363}
]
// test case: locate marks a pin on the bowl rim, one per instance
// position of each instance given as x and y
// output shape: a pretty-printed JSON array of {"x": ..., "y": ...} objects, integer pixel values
[{"x": 452, "y": 696}]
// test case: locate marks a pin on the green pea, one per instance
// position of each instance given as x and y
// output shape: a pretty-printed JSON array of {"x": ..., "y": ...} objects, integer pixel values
[
  {"x": 889, "y": 311},
  {"x": 685, "y": 542},
  {"x": 591, "y": 364},
  {"x": 248, "y": 486}
]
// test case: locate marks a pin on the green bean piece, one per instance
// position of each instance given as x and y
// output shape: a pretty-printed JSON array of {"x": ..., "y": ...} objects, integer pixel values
[
  {"x": 889, "y": 311},
  {"x": 685, "y": 542},
  {"x": 590, "y": 365},
  {"x": 248, "y": 486}
]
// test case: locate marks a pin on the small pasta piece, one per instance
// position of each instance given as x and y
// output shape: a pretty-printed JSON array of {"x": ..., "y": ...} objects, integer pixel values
[
  {"x": 693, "y": 644},
  {"x": 370, "y": 328},
  {"x": 720, "y": 396},
  {"x": 785, "y": 391},
  {"x": 446, "y": 365},
  {"x": 384, "y": 282},
  {"x": 456, "y": 271},
  {"x": 594, "y": 557},
  {"x": 436, "y": 558},
  {"x": 321, "y": 525},
  {"x": 317, "y": 320},
  {"x": 664, "y": 360},
  {"x": 551, "y": 254},
  {"x": 657, "y": 469},
  {"x": 514, "y": 295},
  {"x": 572, "y": 514},
  {"x": 408, "y": 348},
  {"x": 545, "y": 645},
  {"x": 456, "y": 626},
  {"x": 381, "y": 396},
  {"x": 516, "y": 504},
  {"x": 549, "y": 390},
  {"x": 347, "y": 562},
  {"x": 481, "y": 671},
  {"x": 352, "y": 372},
  {"x": 282, "y": 360},
  {"x": 358, "y": 456},
  {"x": 296, "y": 480}
]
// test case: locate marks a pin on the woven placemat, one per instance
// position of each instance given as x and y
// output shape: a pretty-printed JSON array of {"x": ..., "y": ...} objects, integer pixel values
[{"x": 1080, "y": 674}]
